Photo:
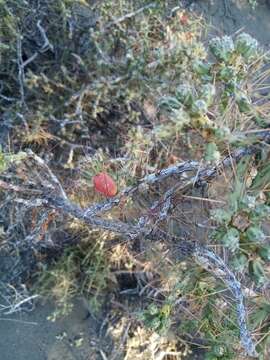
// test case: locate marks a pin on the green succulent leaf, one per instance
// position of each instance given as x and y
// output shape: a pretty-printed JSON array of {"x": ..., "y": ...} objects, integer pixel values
[
  {"x": 264, "y": 253},
  {"x": 177, "y": 120},
  {"x": 184, "y": 94},
  {"x": 169, "y": 103},
  {"x": 231, "y": 239},
  {"x": 223, "y": 133},
  {"x": 221, "y": 216},
  {"x": 227, "y": 73},
  {"x": 260, "y": 212},
  {"x": 152, "y": 309},
  {"x": 199, "y": 107},
  {"x": 208, "y": 92},
  {"x": 243, "y": 102},
  {"x": 256, "y": 270},
  {"x": 202, "y": 69},
  {"x": 155, "y": 323},
  {"x": 239, "y": 262},
  {"x": 255, "y": 234}
]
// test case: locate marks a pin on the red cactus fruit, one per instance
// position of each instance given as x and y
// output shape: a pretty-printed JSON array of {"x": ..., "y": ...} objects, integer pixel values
[{"x": 104, "y": 184}]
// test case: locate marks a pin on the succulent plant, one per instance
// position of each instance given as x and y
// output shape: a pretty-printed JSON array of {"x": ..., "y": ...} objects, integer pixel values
[
  {"x": 208, "y": 92},
  {"x": 222, "y": 48},
  {"x": 247, "y": 46},
  {"x": 199, "y": 107},
  {"x": 184, "y": 94},
  {"x": 226, "y": 73},
  {"x": 243, "y": 102},
  {"x": 178, "y": 119},
  {"x": 231, "y": 239},
  {"x": 223, "y": 133},
  {"x": 202, "y": 69},
  {"x": 169, "y": 103}
]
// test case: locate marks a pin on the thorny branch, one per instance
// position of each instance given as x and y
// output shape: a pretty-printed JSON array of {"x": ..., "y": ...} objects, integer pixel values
[
  {"x": 22, "y": 64},
  {"x": 214, "y": 264},
  {"x": 21, "y": 75},
  {"x": 47, "y": 45},
  {"x": 54, "y": 196},
  {"x": 180, "y": 171}
]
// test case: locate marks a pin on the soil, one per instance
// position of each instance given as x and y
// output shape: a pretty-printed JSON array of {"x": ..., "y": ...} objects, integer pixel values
[{"x": 30, "y": 335}]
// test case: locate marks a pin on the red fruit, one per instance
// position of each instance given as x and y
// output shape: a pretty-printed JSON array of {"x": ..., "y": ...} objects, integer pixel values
[
  {"x": 183, "y": 19},
  {"x": 104, "y": 184}
]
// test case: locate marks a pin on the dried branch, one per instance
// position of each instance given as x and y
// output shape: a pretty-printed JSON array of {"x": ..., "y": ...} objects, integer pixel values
[
  {"x": 177, "y": 170},
  {"x": 161, "y": 208},
  {"x": 54, "y": 181},
  {"x": 67, "y": 207},
  {"x": 20, "y": 299},
  {"x": 47, "y": 45},
  {"x": 22, "y": 64},
  {"x": 21, "y": 75},
  {"x": 215, "y": 265}
]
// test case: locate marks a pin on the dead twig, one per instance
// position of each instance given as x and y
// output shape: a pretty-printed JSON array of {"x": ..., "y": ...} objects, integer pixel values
[
  {"x": 47, "y": 45},
  {"x": 22, "y": 64},
  {"x": 215, "y": 265},
  {"x": 177, "y": 170},
  {"x": 21, "y": 75}
]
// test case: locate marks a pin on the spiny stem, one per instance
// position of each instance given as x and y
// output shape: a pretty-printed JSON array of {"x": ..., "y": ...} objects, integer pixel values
[{"x": 215, "y": 265}]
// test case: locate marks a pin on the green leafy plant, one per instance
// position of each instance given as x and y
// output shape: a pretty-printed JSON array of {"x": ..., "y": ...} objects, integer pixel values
[
  {"x": 157, "y": 319},
  {"x": 215, "y": 85},
  {"x": 241, "y": 229}
]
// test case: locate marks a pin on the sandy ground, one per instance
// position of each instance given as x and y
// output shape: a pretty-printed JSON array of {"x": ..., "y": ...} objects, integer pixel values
[{"x": 30, "y": 335}]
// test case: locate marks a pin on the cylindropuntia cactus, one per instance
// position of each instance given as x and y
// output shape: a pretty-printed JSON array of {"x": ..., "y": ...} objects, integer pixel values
[
  {"x": 202, "y": 69},
  {"x": 178, "y": 119},
  {"x": 184, "y": 94},
  {"x": 222, "y": 48},
  {"x": 169, "y": 103},
  {"x": 226, "y": 73},
  {"x": 207, "y": 94},
  {"x": 247, "y": 46},
  {"x": 243, "y": 102},
  {"x": 199, "y": 107}
]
